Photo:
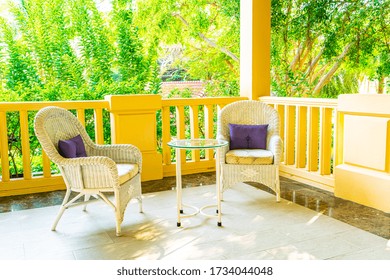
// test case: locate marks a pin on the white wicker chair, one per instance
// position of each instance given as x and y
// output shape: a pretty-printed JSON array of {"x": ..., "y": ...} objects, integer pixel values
[
  {"x": 248, "y": 164},
  {"x": 106, "y": 169}
]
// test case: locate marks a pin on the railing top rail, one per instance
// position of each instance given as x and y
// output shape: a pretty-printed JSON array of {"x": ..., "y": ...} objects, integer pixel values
[
  {"x": 300, "y": 101},
  {"x": 34, "y": 106},
  {"x": 199, "y": 101}
]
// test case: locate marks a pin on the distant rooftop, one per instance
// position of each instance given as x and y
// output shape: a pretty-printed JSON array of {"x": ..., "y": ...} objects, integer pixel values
[{"x": 196, "y": 87}]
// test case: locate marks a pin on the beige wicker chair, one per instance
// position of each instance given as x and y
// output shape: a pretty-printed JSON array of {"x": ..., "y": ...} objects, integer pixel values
[
  {"x": 250, "y": 165},
  {"x": 106, "y": 169}
]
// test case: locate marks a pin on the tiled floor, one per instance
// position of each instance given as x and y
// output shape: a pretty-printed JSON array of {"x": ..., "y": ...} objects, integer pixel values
[{"x": 254, "y": 227}]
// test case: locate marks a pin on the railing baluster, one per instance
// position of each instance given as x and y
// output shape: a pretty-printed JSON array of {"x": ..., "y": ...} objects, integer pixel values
[
  {"x": 300, "y": 130},
  {"x": 180, "y": 123},
  {"x": 289, "y": 142},
  {"x": 339, "y": 139},
  {"x": 281, "y": 110},
  {"x": 81, "y": 116},
  {"x": 46, "y": 165},
  {"x": 4, "y": 148},
  {"x": 325, "y": 141},
  {"x": 166, "y": 134},
  {"x": 194, "y": 127},
  {"x": 313, "y": 139},
  {"x": 209, "y": 126},
  {"x": 98, "y": 121},
  {"x": 25, "y": 138},
  {"x": 180, "y": 126}
]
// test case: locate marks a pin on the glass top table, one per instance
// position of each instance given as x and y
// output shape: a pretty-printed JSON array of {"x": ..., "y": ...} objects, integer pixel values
[{"x": 197, "y": 144}]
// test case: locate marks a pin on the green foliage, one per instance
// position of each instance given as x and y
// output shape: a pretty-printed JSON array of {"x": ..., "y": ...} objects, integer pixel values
[
  {"x": 205, "y": 32},
  {"x": 70, "y": 50},
  {"x": 322, "y": 48}
]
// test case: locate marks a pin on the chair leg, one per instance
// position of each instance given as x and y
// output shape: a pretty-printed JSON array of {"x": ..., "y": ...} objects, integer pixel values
[
  {"x": 140, "y": 204},
  {"x": 118, "y": 221},
  {"x": 86, "y": 198},
  {"x": 62, "y": 209},
  {"x": 118, "y": 230}
]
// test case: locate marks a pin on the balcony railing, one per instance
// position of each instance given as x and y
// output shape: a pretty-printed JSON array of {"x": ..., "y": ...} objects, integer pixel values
[
  {"x": 23, "y": 113},
  {"x": 192, "y": 118},
  {"x": 325, "y": 140},
  {"x": 308, "y": 127}
]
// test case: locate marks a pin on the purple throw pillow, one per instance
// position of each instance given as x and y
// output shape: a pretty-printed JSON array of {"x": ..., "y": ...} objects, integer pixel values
[
  {"x": 72, "y": 148},
  {"x": 248, "y": 136}
]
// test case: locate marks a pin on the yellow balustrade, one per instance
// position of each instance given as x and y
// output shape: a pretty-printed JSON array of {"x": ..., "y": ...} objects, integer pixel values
[
  {"x": 30, "y": 182},
  {"x": 349, "y": 135},
  {"x": 201, "y": 114},
  {"x": 308, "y": 131},
  {"x": 133, "y": 120}
]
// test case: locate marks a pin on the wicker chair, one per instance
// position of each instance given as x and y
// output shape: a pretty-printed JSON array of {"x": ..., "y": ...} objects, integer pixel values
[
  {"x": 106, "y": 169},
  {"x": 250, "y": 165}
]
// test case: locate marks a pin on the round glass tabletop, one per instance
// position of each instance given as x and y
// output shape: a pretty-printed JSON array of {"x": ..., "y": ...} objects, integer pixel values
[{"x": 197, "y": 143}]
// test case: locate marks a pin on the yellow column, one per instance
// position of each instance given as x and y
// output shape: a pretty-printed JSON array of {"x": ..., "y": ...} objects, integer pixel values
[
  {"x": 255, "y": 48},
  {"x": 133, "y": 121},
  {"x": 362, "y": 174}
]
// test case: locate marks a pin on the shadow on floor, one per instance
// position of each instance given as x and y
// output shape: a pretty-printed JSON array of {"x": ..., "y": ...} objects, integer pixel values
[{"x": 366, "y": 218}]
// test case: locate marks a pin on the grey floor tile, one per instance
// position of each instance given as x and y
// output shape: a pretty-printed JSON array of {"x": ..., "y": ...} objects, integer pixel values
[{"x": 254, "y": 227}]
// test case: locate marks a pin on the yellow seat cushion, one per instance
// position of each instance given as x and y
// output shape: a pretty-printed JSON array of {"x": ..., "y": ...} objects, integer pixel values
[
  {"x": 249, "y": 156},
  {"x": 126, "y": 172}
]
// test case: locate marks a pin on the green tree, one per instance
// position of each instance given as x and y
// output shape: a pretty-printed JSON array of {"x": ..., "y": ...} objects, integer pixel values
[
  {"x": 317, "y": 43},
  {"x": 205, "y": 32},
  {"x": 76, "y": 50},
  {"x": 20, "y": 71},
  {"x": 132, "y": 61},
  {"x": 70, "y": 50}
]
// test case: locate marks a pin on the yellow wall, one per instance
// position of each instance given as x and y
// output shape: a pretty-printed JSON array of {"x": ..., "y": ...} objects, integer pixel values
[{"x": 363, "y": 175}]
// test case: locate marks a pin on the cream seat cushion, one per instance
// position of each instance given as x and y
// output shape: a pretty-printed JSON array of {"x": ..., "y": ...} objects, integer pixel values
[
  {"x": 126, "y": 172},
  {"x": 250, "y": 156}
]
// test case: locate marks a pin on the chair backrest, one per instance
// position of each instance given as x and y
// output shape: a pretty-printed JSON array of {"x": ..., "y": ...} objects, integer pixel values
[
  {"x": 52, "y": 124},
  {"x": 249, "y": 112}
]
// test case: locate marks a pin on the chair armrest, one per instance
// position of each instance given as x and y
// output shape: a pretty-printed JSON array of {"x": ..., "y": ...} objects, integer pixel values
[
  {"x": 276, "y": 147},
  {"x": 119, "y": 153},
  {"x": 89, "y": 172},
  {"x": 223, "y": 150}
]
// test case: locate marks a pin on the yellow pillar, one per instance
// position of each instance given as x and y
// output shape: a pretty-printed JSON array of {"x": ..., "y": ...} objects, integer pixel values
[
  {"x": 133, "y": 121},
  {"x": 255, "y": 48},
  {"x": 363, "y": 171}
]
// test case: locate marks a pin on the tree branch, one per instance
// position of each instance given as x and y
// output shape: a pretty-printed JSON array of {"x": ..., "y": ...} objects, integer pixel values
[
  {"x": 209, "y": 41},
  {"x": 313, "y": 63},
  {"x": 325, "y": 79},
  {"x": 297, "y": 57},
  {"x": 319, "y": 72}
]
